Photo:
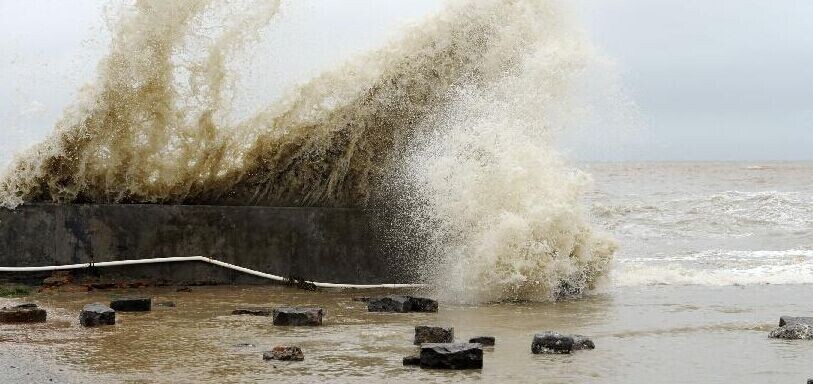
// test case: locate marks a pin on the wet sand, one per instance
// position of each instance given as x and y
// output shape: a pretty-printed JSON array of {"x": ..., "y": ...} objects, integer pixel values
[{"x": 655, "y": 334}]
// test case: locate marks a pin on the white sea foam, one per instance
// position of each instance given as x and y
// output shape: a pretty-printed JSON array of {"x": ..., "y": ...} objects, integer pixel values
[
  {"x": 717, "y": 268},
  {"x": 727, "y": 214}
]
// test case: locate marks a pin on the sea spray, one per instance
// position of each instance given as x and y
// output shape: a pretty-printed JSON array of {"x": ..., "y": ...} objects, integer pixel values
[
  {"x": 451, "y": 122},
  {"x": 137, "y": 136},
  {"x": 499, "y": 206}
]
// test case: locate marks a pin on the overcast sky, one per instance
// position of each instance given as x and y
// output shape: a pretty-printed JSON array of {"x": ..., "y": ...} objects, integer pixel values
[{"x": 713, "y": 80}]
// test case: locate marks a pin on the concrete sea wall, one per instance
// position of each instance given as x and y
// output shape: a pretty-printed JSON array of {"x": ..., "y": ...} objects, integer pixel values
[{"x": 318, "y": 244}]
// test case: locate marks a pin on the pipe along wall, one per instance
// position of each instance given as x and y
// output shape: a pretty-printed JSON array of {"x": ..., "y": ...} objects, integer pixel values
[{"x": 334, "y": 245}]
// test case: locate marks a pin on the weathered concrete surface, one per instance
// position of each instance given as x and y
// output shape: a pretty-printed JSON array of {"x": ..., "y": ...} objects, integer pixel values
[{"x": 320, "y": 244}]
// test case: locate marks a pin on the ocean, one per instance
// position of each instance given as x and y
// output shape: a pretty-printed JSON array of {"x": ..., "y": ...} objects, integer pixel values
[
  {"x": 710, "y": 255},
  {"x": 707, "y": 224},
  {"x": 677, "y": 271}
]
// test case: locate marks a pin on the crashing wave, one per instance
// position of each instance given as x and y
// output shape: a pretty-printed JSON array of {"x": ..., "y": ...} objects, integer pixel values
[{"x": 451, "y": 123}]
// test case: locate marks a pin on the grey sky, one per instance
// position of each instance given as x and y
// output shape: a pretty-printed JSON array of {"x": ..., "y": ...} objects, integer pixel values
[
  {"x": 714, "y": 80},
  {"x": 721, "y": 79}
]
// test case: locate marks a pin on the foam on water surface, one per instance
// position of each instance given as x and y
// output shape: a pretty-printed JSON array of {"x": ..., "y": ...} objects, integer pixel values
[
  {"x": 708, "y": 224},
  {"x": 718, "y": 268}
]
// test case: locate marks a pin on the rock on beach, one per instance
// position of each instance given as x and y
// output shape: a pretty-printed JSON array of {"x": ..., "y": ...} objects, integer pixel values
[
  {"x": 284, "y": 353},
  {"x": 302, "y": 316},
  {"x": 557, "y": 343},
  {"x": 793, "y": 331},
  {"x": 793, "y": 328},
  {"x": 552, "y": 342},
  {"x": 132, "y": 304},
  {"x": 451, "y": 356},
  {"x": 94, "y": 315},
  {"x": 399, "y": 304},
  {"x": 402, "y": 304}
]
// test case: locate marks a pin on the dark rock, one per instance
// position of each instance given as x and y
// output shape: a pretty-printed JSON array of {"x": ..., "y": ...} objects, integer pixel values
[
  {"x": 552, "y": 342},
  {"x": 582, "y": 342},
  {"x": 184, "y": 289},
  {"x": 422, "y": 304},
  {"x": 428, "y": 334},
  {"x": 96, "y": 314},
  {"x": 486, "y": 341},
  {"x": 252, "y": 311},
  {"x": 284, "y": 353},
  {"x": 390, "y": 304},
  {"x": 26, "y": 305},
  {"x": 132, "y": 304},
  {"x": 793, "y": 331},
  {"x": 412, "y": 360},
  {"x": 452, "y": 356},
  {"x": 298, "y": 316},
  {"x": 402, "y": 304},
  {"x": 168, "y": 304},
  {"x": 22, "y": 314},
  {"x": 785, "y": 320}
]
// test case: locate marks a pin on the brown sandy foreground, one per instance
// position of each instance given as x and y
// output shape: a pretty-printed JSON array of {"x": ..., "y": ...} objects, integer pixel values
[{"x": 646, "y": 334}]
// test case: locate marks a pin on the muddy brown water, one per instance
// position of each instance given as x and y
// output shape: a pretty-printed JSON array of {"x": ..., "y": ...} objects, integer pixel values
[{"x": 645, "y": 334}]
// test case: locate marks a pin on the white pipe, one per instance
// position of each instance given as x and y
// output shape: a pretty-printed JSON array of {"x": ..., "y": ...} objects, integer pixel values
[{"x": 206, "y": 260}]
